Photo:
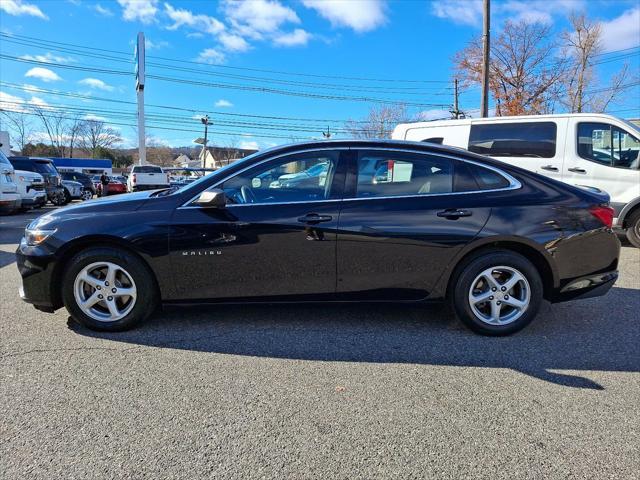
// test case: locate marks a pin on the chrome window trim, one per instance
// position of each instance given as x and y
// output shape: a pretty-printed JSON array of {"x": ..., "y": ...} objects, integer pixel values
[{"x": 513, "y": 183}]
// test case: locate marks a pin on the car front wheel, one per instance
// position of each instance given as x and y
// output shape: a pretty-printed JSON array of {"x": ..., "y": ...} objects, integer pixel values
[
  {"x": 497, "y": 292},
  {"x": 108, "y": 289}
]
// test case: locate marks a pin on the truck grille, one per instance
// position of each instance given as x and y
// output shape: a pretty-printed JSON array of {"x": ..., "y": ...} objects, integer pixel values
[{"x": 37, "y": 186}]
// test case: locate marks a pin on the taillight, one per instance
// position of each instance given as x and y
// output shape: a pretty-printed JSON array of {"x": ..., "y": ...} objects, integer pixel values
[{"x": 604, "y": 213}]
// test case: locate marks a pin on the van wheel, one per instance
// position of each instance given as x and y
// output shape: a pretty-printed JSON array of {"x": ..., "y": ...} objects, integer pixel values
[
  {"x": 497, "y": 292},
  {"x": 633, "y": 229},
  {"x": 108, "y": 289}
]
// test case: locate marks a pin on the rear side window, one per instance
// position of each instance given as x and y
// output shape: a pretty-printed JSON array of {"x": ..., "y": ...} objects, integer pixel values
[
  {"x": 25, "y": 165},
  {"x": 45, "y": 167},
  {"x": 488, "y": 179},
  {"x": 530, "y": 139},
  {"x": 391, "y": 174},
  {"x": 147, "y": 169}
]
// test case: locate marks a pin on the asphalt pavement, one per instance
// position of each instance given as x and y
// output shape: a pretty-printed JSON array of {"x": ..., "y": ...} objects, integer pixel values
[{"x": 320, "y": 391}]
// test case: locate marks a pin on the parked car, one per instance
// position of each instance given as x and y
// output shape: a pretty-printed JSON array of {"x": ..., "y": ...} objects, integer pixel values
[
  {"x": 50, "y": 175},
  {"x": 114, "y": 187},
  {"x": 31, "y": 189},
  {"x": 147, "y": 177},
  {"x": 10, "y": 201},
  {"x": 88, "y": 187},
  {"x": 492, "y": 238},
  {"x": 72, "y": 190},
  {"x": 597, "y": 150}
]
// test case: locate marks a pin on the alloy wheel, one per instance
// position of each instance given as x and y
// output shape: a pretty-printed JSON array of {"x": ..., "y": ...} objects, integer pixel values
[
  {"x": 499, "y": 295},
  {"x": 105, "y": 291}
]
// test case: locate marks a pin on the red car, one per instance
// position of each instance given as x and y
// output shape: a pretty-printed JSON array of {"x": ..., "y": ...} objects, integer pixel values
[{"x": 114, "y": 187}]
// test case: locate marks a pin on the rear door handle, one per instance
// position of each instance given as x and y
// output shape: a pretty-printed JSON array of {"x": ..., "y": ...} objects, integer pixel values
[
  {"x": 314, "y": 218},
  {"x": 453, "y": 214},
  {"x": 577, "y": 170},
  {"x": 550, "y": 168}
]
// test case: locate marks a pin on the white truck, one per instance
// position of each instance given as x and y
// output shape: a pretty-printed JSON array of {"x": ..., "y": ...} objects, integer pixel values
[{"x": 147, "y": 177}]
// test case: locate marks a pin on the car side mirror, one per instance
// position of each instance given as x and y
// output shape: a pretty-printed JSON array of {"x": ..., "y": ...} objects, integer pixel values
[{"x": 212, "y": 199}]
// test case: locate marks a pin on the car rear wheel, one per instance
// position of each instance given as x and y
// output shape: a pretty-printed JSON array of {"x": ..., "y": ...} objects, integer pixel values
[
  {"x": 633, "y": 229},
  {"x": 87, "y": 195},
  {"x": 108, "y": 289},
  {"x": 497, "y": 292}
]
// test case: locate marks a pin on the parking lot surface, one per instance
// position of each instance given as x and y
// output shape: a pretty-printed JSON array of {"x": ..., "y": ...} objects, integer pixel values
[{"x": 320, "y": 391}]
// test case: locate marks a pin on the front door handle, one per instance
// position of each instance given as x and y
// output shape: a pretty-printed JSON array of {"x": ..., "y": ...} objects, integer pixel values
[
  {"x": 454, "y": 213},
  {"x": 577, "y": 170},
  {"x": 313, "y": 218},
  {"x": 550, "y": 168}
]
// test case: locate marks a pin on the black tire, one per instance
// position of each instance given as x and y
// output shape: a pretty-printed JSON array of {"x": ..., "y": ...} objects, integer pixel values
[
  {"x": 147, "y": 295},
  {"x": 467, "y": 272},
  {"x": 67, "y": 197},
  {"x": 633, "y": 229}
]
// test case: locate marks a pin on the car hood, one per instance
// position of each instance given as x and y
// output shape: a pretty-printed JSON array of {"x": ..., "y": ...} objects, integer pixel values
[{"x": 31, "y": 176}]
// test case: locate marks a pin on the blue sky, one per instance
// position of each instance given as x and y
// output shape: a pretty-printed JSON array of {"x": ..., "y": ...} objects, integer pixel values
[{"x": 348, "y": 47}]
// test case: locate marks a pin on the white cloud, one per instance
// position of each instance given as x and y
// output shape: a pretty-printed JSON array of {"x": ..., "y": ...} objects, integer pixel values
[
  {"x": 249, "y": 145},
  {"x": 142, "y": 10},
  {"x": 361, "y": 16},
  {"x": 211, "y": 55},
  {"x": 105, "y": 12},
  {"x": 10, "y": 102},
  {"x": 433, "y": 114},
  {"x": 182, "y": 17},
  {"x": 96, "y": 83},
  {"x": 18, "y": 7},
  {"x": 465, "y": 12},
  {"x": 43, "y": 74},
  {"x": 222, "y": 103},
  {"x": 622, "y": 32},
  {"x": 257, "y": 17},
  {"x": 49, "y": 58},
  {"x": 295, "y": 38},
  {"x": 39, "y": 102},
  {"x": 95, "y": 118},
  {"x": 233, "y": 43},
  {"x": 149, "y": 45}
]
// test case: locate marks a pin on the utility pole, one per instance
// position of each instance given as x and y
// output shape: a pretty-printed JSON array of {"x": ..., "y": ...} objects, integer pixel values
[
  {"x": 205, "y": 121},
  {"x": 140, "y": 74},
  {"x": 456, "y": 111},
  {"x": 327, "y": 134},
  {"x": 486, "y": 42}
]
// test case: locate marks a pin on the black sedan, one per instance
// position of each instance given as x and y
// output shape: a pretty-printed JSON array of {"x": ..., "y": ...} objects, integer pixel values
[{"x": 437, "y": 223}]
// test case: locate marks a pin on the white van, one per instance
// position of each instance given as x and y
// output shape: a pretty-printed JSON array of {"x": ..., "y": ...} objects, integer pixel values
[{"x": 595, "y": 150}]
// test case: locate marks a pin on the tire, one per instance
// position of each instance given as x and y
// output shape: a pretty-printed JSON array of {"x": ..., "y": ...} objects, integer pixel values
[
  {"x": 67, "y": 197},
  {"x": 131, "y": 273},
  {"x": 633, "y": 229},
  {"x": 480, "y": 275},
  {"x": 86, "y": 195}
]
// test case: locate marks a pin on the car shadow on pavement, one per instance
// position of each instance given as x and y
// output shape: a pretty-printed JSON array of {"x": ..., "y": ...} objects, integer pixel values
[
  {"x": 592, "y": 335},
  {"x": 6, "y": 258}
]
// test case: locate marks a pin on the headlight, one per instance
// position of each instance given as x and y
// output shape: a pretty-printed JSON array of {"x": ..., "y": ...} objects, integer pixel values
[{"x": 37, "y": 236}]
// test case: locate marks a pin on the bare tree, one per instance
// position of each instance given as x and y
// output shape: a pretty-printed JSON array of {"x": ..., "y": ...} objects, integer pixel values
[
  {"x": 20, "y": 128},
  {"x": 524, "y": 72},
  {"x": 54, "y": 124},
  {"x": 94, "y": 135},
  {"x": 379, "y": 123},
  {"x": 74, "y": 131},
  {"x": 581, "y": 45}
]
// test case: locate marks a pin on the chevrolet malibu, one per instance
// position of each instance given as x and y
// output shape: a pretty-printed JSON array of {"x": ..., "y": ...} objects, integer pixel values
[{"x": 441, "y": 223}]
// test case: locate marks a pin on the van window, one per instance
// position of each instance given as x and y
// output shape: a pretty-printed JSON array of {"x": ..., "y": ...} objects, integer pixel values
[
  {"x": 608, "y": 145},
  {"x": 529, "y": 139},
  {"x": 146, "y": 169}
]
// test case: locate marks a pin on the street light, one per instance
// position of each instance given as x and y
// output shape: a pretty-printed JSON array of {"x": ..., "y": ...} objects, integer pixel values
[{"x": 206, "y": 123}]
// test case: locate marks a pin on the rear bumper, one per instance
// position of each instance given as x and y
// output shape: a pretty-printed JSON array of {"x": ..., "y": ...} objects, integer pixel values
[
  {"x": 138, "y": 188},
  {"x": 586, "y": 287}
]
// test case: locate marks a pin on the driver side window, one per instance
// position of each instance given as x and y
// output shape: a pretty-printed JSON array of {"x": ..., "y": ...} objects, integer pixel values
[{"x": 295, "y": 178}]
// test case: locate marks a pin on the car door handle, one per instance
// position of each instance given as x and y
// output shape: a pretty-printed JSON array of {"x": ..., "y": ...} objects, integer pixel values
[
  {"x": 577, "y": 170},
  {"x": 453, "y": 214},
  {"x": 551, "y": 168},
  {"x": 315, "y": 218}
]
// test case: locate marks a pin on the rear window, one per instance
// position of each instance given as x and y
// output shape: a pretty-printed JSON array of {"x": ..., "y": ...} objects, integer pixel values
[
  {"x": 25, "y": 165},
  {"x": 530, "y": 139},
  {"x": 146, "y": 169}
]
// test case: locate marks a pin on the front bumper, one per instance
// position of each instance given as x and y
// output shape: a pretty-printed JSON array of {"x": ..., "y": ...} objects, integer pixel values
[
  {"x": 10, "y": 203},
  {"x": 34, "y": 201},
  {"x": 36, "y": 268}
]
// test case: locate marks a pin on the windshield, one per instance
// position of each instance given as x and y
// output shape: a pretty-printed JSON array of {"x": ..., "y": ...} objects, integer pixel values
[
  {"x": 4, "y": 161},
  {"x": 634, "y": 128}
]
